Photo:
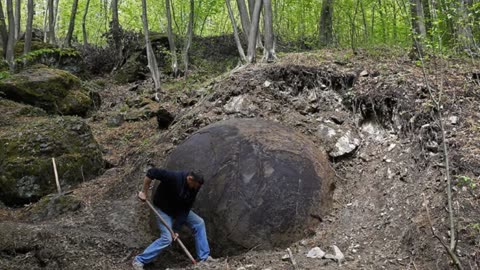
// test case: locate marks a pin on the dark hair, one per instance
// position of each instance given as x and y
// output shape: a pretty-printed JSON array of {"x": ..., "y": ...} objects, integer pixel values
[{"x": 197, "y": 177}]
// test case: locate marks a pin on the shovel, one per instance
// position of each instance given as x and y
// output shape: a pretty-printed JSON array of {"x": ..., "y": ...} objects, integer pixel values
[{"x": 174, "y": 236}]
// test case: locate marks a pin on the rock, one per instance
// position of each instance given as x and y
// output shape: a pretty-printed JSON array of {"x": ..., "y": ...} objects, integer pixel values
[
  {"x": 286, "y": 257},
  {"x": 54, "y": 90},
  {"x": 257, "y": 173},
  {"x": 453, "y": 120},
  {"x": 53, "y": 206},
  {"x": 345, "y": 145},
  {"x": 364, "y": 73},
  {"x": 115, "y": 121},
  {"x": 316, "y": 252},
  {"x": 134, "y": 69},
  {"x": 338, "y": 256},
  {"x": 29, "y": 143},
  {"x": 164, "y": 118},
  {"x": 240, "y": 104},
  {"x": 137, "y": 102},
  {"x": 139, "y": 114}
]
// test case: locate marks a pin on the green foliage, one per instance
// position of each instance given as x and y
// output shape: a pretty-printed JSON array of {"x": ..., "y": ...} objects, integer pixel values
[
  {"x": 58, "y": 52},
  {"x": 466, "y": 181},
  {"x": 356, "y": 23},
  {"x": 4, "y": 75}
]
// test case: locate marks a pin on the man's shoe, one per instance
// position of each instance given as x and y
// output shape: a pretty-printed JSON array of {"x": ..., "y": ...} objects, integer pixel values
[
  {"x": 210, "y": 259},
  {"x": 137, "y": 265}
]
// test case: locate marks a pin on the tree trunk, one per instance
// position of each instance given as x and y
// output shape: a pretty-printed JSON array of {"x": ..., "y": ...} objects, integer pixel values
[
  {"x": 269, "y": 50},
  {"x": 235, "y": 32},
  {"x": 418, "y": 25},
  {"x": 28, "y": 31},
  {"x": 171, "y": 41},
  {"x": 253, "y": 33},
  {"x": 189, "y": 37},
  {"x": 251, "y": 7},
  {"x": 326, "y": 23},
  {"x": 18, "y": 18},
  {"x": 11, "y": 36},
  {"x": 152, "y": 61},
  {"x": 364, "y": 19},
  {"x": 428, "y": 16},
  {"x": 3, "y": 30},
  {"x": 244, "y": 17},
  {"x": 84, "y": 28},
  {"x": 56, "y": 15},
  {"x": 116, "y": 30},
  {"x": 71, "y": 25},
  {"x": 51, "y": 23},
  {"x": 464, "y": 28},
  {"x": 382, "y": 19}
]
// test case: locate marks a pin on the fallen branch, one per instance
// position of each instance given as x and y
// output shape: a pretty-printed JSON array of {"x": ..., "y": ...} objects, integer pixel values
[{"x": 450, "y": 252}]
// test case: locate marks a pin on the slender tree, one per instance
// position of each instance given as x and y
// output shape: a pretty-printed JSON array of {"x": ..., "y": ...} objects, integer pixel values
[
  {"x": 244, "y": 17},
  {"x": 464, "y": 28},
  {"x": 418, "y": 25},
  {"x": 28, "y": 31},
  {"x": 71, "y": 25},
  {"x": 326, "y": 23},
  {"x": 171, "y": 41},
  {"x": 252, "y": 34},
  {"x": 84, "y": 21},
  {"x": 116, "y": 29},
  {"x": 51, "y": 23},
  {"x": 11, "y": 36},
  {"x": 189, "y": 37},
  {"x": 235, "y": 32},
  {"x": 3, "y": 30},
  {"x": 152, "y": 61},
  {"x": 269, "y": 50},
  {"x": 18, "y": 18}
]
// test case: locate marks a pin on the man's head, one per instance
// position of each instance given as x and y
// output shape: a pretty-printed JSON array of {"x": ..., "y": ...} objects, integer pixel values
[{"x": 194, "y": 180}]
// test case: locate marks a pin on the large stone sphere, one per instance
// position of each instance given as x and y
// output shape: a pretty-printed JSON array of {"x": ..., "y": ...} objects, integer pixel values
[{"x": 265, "y": 184}]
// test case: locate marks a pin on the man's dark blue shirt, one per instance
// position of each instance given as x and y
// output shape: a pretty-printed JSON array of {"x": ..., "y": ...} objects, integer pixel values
[{"x": 172, "y": 195}]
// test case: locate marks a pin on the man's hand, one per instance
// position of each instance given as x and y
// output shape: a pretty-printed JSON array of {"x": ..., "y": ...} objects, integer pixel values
[
  {"x": 175, "y": 237},
  {"x": 142, "y": 196}
]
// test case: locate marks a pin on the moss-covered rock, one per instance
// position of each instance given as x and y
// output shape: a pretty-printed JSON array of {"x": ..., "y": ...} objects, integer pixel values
[
  {"x": 28, "y": 145},
  {"x": 54, "y": 205},
  {"x": 53, "y": 90},
  {"x": 36, "y": 45},
  {"x": 134, "y": 69}
]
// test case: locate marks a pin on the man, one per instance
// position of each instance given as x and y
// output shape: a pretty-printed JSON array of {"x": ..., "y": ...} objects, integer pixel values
[{"x": 173, "y": 200}]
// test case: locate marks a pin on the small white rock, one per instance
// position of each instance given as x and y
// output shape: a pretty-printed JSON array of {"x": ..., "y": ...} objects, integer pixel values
[
  {"x": 267, "y": 83},
  {"x": 338, "y": 257},
  {"x": 316, "y": 252}
]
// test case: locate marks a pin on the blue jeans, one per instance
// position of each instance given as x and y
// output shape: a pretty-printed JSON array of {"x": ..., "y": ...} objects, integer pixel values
[{"x": 193, "y": 221}]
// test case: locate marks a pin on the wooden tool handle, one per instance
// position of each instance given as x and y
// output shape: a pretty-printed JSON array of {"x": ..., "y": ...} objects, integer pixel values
[{"x": 171, "y": 232}]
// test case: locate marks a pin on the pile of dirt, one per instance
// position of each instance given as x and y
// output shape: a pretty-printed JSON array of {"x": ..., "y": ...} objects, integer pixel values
[{"x": 385, "y": 146}]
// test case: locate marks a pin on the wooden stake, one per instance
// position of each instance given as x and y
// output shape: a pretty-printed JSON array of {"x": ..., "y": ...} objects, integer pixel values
[
  {"x": 59, "y": 189},
  {"x": 292, "y": 259}
]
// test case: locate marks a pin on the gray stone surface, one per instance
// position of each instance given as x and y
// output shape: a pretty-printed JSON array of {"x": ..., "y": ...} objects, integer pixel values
[{"x": 263, "y": 182}]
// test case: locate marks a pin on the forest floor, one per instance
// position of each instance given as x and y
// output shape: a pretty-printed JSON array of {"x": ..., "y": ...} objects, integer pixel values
[{"x": 383, "y": 188}]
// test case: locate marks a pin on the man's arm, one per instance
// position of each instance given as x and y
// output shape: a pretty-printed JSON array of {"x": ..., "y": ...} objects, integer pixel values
[
  {"x": 143, "y": 195},
  {"x": 153, "y": 173}
]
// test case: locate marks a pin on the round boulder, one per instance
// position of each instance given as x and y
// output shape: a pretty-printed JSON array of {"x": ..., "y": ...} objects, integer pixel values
[{"x": 265, "y": 184}]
